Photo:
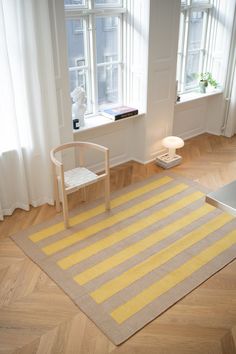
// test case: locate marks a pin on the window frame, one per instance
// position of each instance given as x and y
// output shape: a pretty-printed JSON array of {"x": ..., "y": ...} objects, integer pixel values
[
  {"x": 187, "y": 7},
  {"x": 89, "y": 12}
]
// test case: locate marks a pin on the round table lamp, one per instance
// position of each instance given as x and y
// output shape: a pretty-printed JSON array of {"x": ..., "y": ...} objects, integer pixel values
[{"x": 170, "y": 158}]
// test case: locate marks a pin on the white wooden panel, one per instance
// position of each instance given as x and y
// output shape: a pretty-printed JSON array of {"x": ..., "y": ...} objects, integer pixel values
[
  {"x": 136, "y": 52},
  {"x": 190, "y": 120},
  {"x": 199, "y": 116},
  {"x": 162, "y": 81},
  {"x": 57, "y": 20},
  {"x": 230, "y": 128},
  {"x": 163, "y": 16},
  {"x": 215, "y": 114},
  {"x": 163, "y": 40},
  {"x": 117, "y": 140}
]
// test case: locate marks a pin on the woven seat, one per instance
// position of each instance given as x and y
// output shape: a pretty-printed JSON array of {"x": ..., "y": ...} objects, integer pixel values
[{"x": 79, "y": 177}]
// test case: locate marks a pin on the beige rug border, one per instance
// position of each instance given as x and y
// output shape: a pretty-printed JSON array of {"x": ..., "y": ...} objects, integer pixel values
[{"x": 101, "y": 319}]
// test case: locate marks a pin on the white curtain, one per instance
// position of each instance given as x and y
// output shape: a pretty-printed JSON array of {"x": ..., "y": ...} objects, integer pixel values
[{"x": 28, "y": 109}]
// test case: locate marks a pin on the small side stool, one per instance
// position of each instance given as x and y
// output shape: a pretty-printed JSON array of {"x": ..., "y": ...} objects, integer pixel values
[{"x": 170, "y": 158}]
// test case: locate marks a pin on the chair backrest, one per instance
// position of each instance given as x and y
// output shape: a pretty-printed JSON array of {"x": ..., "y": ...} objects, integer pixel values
[{"x": 81, "y": 145}]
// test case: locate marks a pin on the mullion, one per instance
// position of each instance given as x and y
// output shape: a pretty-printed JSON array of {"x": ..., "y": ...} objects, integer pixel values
[
  {"x": 181, "y": 51},
  {"x": 185, "y": 51},
  {"x": 88, "y": 62},
  {"x": 93, "y": 58},
  {"x": 120, "y": 58},
  {"x": 204, "y": 38}
]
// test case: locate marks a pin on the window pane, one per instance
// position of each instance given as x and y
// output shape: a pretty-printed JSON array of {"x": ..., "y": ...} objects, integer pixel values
[
  {"x": 108, "y": 2},
  {"x": 107, "y": 38},
  {"x": 75, "y": 42},
  {"x": 79, "y": 3},
  {"x": 195, "y": 30},
  {"x": 107, "y": 84},
  {"x": 107, "y": 51},
  {"x": 194, "y": 47},
  {"x": 77, "y": 58},
  {"x": 78, "y": 78},
  {"x": 192, "y": 68}
]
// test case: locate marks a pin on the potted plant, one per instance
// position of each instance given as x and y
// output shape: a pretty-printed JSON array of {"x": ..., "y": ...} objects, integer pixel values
[{"x": 205, "y": 80}]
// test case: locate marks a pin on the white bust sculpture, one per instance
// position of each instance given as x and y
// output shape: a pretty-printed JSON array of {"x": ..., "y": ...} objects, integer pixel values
[{"x": 79, "y": 106}]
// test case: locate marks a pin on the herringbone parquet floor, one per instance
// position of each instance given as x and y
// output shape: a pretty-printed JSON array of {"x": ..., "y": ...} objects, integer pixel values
[{"x": 37, "y": 317}]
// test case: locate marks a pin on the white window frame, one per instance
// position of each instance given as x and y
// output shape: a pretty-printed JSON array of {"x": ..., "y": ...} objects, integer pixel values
[
  {"x": 89, "y": 12},
  {"x": 187, "y": 8}
]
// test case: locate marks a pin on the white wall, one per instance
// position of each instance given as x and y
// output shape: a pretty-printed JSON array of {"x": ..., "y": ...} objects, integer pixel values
[
  {"x": 118, "y": 137},
  {"x": 215, "y": 114},
  {"x": 199, "y": 116},
  {"x": 190, "y": 119}
]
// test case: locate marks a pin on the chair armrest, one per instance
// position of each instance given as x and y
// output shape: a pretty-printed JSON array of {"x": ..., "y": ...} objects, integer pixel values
[{"x": 54, "y": 160}]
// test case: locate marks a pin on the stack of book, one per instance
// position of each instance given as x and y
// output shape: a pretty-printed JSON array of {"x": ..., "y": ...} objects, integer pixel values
[{"x": 121, "y": 112}]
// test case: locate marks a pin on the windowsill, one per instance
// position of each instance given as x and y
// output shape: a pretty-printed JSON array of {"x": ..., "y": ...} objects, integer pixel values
[
  {"x": 99, "y": 121},
  {"x": 192, "y": 96}
]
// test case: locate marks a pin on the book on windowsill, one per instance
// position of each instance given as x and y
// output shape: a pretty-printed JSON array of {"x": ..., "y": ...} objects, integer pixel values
[{"x": 120, "y": 112}]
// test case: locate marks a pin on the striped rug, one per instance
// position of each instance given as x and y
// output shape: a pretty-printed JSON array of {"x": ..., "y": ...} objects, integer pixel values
[{"x": 125, "y": 267}]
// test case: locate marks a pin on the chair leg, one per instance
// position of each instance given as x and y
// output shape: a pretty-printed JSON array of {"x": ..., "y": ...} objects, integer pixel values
[
  {"x": 56, "y": 191},
  {"x": 65, "y": 210},
  {"x": 107, "y": 193},
  {"x": 83, "y": 194},
  {"x": 57, "y": 199}
]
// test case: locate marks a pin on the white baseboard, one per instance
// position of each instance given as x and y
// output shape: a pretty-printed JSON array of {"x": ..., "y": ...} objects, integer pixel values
[{"x": 192, "y": 133}]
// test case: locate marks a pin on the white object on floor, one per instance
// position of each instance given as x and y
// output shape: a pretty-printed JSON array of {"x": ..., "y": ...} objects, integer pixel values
[{"x": 170, "y": 159}]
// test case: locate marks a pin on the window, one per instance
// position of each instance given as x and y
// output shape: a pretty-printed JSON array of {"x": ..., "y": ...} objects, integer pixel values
[
  {"x": 94, "y": 40},
  {"x": 193, "y": 44}
]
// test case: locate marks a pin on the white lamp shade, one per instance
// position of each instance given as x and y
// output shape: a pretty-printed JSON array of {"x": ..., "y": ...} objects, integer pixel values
[{"x": 172, "y": 142}]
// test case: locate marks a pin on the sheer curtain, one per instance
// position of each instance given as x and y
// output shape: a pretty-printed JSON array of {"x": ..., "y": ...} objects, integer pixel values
[{"x": 29, "y": 125}]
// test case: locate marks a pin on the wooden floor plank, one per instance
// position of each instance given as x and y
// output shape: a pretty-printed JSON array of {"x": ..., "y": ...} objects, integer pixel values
[{"x": 37, "y": 317}]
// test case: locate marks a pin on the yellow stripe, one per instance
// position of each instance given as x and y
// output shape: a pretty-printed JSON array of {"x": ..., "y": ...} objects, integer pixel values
[
  {"x": 126, "y": 232},
  {"x": 112, "y": 220},
  {"x": 133, "y": 274},
  {"x": 78, "y": 219},
  {"x": 140, "y": 246},
  {"x": 137, "y": 303}
]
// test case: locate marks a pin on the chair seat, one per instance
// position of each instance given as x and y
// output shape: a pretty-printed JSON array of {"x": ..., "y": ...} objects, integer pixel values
[{"x": 79, "y": 176}]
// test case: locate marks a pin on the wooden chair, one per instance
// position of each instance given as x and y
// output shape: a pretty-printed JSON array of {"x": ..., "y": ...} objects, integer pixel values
[{"x": 79, "y": 177}]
